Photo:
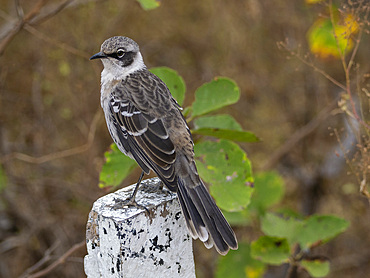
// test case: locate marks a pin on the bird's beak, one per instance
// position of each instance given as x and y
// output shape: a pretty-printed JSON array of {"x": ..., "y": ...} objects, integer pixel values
[{"x": 98, "y": 55}]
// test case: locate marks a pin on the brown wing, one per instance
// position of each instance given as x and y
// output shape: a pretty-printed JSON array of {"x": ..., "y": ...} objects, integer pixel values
[{"x": 145, "y": 137}]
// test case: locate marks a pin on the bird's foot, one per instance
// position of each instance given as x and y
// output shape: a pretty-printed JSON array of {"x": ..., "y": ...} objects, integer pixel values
[{"x": 127, "y": 203}]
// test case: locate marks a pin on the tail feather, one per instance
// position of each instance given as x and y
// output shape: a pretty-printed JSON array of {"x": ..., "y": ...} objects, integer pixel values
[
  {"x": 215, "y": 213},
  {"x": 207, "y": 212},
  {"x": 202, "y": 215},
  {"x": 192, "y": 215},
  {"x": 188, "y": 221},
  {"x": 209, "y": 243}
]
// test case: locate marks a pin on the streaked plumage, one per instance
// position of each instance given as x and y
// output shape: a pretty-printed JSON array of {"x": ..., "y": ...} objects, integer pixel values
[{"x": 146, "y": 123}]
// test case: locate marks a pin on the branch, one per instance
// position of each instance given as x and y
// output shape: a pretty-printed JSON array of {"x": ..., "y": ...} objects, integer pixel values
[
  {"x": 59, "y": 261},
  {"x": 50, "y": 11},
  {"x": 44, "y": 259},
  {"x": 32, "y": 17}
]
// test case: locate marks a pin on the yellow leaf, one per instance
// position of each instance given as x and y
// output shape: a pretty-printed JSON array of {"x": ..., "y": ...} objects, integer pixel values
[{"x": 332, "y": 40}]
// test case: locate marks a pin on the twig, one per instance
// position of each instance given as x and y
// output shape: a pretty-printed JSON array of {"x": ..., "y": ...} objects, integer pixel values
[
  {"x": 51, "y": 13},
  {"x": 45, "y": 258},
  {"x": 19, "y": 9},
  {"x": 59, "y": 261},
  {"x": 10, "y": 35},
  {"x": 358, "y": 40},
  {"x": 20, "y": 23},
  {"x": 322, "y": 72},
  {"x": 35, "y": 11},
  {"x": 30, "y": 18},
  {"x": 346, "y": 67},
  {"x": 59, "y": 44}
]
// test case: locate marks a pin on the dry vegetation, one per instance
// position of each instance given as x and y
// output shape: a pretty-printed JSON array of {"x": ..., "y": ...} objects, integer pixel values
[{"x": 53, "y": 136}]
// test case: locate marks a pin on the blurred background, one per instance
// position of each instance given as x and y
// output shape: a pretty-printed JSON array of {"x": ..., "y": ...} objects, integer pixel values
[{"x": 53, "y": 134}]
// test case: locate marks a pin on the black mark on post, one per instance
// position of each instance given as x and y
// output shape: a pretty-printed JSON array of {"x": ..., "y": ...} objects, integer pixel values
[{"x": 178, "y": 267}]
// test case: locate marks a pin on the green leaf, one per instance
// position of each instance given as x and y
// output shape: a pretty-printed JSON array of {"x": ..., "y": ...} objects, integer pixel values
[
  {"x": 213, "y": 95},
  {"x": 238, "y": 218},
  {"x": 217, "y": 121},
  {"x": 234, "y": 135},
  {"x": 268, "y": 190},
  {"x": 316, "y": 268},
  {"x": 276, "y": 226},
  {"x": 224, "y": 165},
  {"x": 288, "y": 212},
  {"x": 271, "y": 250},
  {"x": 149, "y": 4},
  {"x": 186, "y": 111},
  {"x": 116, "y": 167},
  {"x": 239, "y": 264},
  {"x": 321, "y": 228},
  {"x": 305, "y": 232},
  {"x": 173, "y": 80}
]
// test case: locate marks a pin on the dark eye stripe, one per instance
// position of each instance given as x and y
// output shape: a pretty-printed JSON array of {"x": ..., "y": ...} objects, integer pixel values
[
  {"x": 127, "y": 59},
  {"x": 115, "y": 55}
]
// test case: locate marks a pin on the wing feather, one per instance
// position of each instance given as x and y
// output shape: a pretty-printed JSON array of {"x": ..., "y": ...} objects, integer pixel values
[{"x": 143, "y": 135}]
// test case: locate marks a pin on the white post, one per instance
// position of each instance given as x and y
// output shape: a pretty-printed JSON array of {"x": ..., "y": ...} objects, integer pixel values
[{"x": 126, "y": 242}]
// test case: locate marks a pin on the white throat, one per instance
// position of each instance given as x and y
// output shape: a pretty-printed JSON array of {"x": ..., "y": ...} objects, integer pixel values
[{"x": 113, "y": 72}]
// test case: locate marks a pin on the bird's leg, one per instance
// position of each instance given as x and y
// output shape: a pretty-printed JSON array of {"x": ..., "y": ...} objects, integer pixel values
[
  {"x": 131, "y": 200},
  {"x": 161, "y": 185},
  {"x": 133, "y": 195}
]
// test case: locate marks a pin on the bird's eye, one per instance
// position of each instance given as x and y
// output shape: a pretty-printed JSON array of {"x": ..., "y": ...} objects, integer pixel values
[{"x": 120, "y": 53}]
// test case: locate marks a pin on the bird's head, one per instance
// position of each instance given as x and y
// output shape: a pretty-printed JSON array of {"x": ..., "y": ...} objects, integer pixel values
[{"x": 120, "y": 56}]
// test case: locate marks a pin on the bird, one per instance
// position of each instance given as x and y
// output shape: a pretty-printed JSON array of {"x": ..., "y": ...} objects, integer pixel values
[{"x": 146, "y": 124}]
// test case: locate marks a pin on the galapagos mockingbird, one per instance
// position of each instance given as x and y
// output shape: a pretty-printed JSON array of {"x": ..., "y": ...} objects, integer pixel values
[{"x": 147, "y": 125}]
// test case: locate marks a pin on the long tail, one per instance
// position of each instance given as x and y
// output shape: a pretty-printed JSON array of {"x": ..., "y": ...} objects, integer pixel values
[{"x": 204, "y": 219}]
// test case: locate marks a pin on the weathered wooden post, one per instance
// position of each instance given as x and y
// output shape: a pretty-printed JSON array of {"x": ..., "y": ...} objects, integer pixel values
[{"x": 126, "y": 242}]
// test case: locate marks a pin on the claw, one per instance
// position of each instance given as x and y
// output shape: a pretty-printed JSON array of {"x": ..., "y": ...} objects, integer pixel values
[{"x": 131, "y": 200}]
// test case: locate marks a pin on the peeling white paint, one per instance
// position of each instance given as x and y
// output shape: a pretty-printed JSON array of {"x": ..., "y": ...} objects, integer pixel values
[{"x": 125, "y": 242}]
